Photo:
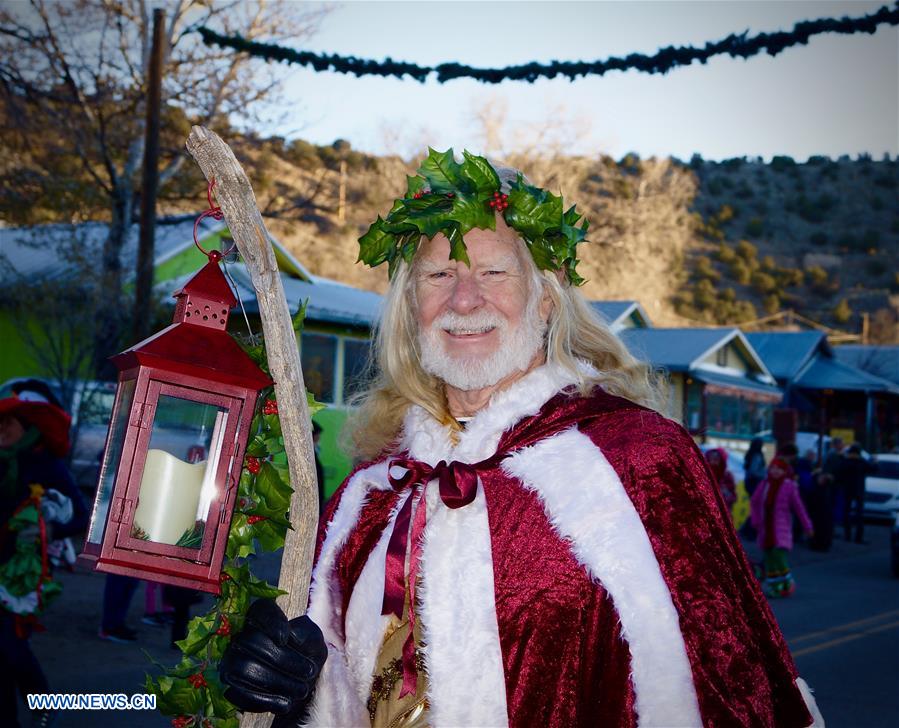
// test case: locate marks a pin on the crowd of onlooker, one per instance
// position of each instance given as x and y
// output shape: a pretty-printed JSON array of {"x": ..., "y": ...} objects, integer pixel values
[{"x": 796, "y": 493}]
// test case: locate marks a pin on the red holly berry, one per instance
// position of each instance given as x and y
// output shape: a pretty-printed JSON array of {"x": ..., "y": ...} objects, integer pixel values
[
  {"x": 182, "y": 721},
  {"x": 197, "y": 681},
  {"x": 225, "y": 628},
  {"x": 450, "y": 194},
  {"x": 270, "y": 407},
  {"x": 255, "y": 519},
  {"x": 253, "y": 465},
  {"x": 224, "y": 576}
]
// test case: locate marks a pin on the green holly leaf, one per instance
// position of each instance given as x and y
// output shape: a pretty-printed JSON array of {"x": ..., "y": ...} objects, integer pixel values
[
  {"x": 414, "y": 185},
  {"x": 532, "y": 211},
  {"x": 272, "y": 490},
  {"x": 175, "y": 696},
  {"x": 453, "y": 232},
  {"x": 272, "y": 425},
  {"x": 478, "y": 171},
  {"x": 299, "y": 318},
  {"x": 471, "y": 211},
  {"x": 218, "y": 704},
  {"x": 376, "y": 244},
  {"x": 256, "y": 447},
  {"x": 441, "y": 171},
  {"x": 312, "y": 404},
  {"x": 240, "y": 538},
  {"x": 199, "y": 631},
  {"x": 542, "y": 257},
  {"x": 270, "y": 534}
]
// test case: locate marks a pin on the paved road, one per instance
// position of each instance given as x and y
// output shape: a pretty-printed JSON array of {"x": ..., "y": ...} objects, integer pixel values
[{"x": 842, "y": 625}]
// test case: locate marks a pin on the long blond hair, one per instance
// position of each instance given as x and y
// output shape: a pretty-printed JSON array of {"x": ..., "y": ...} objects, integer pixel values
[{"x": 575, "y": 333}]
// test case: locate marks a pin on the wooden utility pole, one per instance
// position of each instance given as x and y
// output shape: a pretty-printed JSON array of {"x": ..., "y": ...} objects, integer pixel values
[
  {"x": 238, "y": 203},
  {"x": 143, "y": 289}
]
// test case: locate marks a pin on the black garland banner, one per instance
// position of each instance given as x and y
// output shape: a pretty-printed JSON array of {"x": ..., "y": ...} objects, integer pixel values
[{"x": 737, "y": 45}]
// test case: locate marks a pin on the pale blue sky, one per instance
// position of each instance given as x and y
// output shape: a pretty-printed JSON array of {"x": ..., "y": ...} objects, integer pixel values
[{"x": 837, "y": 95}]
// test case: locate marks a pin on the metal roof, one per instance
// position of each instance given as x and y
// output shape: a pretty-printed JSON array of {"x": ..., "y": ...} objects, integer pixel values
[
  {"x": 329, "y": 301},
  {"x": 881, "y": 361},
  {"x": 42, "y": 252},
  {"x": 786, "y": 352},
  {"x": 826, "y": 373},
  {"x": 674, "y": 349},
  {"x": 614, "y": 312}
]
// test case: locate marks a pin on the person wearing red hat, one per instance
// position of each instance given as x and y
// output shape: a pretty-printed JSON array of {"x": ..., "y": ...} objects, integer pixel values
[
  {"x": 772, "y": 507},
  {"x": 34, "y": 437}
]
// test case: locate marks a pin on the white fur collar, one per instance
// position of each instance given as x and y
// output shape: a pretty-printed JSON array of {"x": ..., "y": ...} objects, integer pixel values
[{"x": 429, "y": 441}]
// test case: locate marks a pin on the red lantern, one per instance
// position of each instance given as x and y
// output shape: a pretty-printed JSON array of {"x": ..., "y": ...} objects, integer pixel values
[{"x": 175, "y": 446}]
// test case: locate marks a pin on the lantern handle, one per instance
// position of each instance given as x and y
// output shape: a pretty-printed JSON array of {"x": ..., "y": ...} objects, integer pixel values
[{"x": 215, "y": 212}]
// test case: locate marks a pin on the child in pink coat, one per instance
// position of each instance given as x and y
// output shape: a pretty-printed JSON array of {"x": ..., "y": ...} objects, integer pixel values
[{"x": 773, "y": 504}]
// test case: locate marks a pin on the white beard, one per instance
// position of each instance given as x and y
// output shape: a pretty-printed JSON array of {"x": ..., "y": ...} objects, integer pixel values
[{"x": 517, "y": 348}]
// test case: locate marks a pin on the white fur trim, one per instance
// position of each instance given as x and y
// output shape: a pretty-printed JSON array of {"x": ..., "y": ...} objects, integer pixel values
[
  {"x": 365, "y": 625},
  {"x": 589, "y": 508},
  {"x": 817, "y": 718},
  {"x": 466, "y": 680},
  {"x": 428, "y": 440},
  {"x": 336, "y": 701}
]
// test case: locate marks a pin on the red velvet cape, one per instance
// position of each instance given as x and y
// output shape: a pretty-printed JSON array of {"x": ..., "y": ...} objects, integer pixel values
[{"x": 564, "y": 659}]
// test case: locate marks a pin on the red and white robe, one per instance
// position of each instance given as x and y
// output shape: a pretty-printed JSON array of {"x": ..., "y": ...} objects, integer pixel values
[{"x": 595, "y": 580}]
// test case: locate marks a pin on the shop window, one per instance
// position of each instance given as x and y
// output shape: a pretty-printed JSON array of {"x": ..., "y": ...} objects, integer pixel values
[{"x": 318, "y": 354}]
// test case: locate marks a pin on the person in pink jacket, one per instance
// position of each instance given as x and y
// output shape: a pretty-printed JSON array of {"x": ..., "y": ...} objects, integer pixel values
[{"x": 772, "y": 507}]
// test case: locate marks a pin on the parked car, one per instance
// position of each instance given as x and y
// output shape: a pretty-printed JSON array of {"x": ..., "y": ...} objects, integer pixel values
[
  {"x": 882, "y": 488},
  {"x": 894, "y": 546}
]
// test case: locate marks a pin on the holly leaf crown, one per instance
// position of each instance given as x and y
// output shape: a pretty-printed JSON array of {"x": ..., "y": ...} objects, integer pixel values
[{"x": 453, "y": 198}]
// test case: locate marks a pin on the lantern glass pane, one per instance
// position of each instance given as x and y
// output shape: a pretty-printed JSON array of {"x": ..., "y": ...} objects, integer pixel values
[
  {"x": 111, "y": 458},
  {"x": 178, "y": 484}
]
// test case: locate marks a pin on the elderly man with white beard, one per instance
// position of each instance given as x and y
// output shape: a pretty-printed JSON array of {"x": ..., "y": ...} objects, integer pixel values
[{"x": 528, "y": 542}]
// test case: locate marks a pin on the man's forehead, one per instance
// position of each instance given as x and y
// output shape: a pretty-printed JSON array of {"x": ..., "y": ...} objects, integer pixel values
[{"x": 502, "y": 258}]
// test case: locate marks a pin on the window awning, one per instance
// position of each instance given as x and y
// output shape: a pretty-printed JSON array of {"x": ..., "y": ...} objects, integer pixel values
[{"x": 731, "y": 386}]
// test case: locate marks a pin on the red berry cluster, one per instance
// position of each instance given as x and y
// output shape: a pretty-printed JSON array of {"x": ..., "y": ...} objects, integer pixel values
[
  {"x": 451, "y": 195},
  {"x": 197, "y": 681},
  {"x": 225, "y": 628},
  {"x": 255, "y": 519},
  {"x": 499, "y": 202},
  {"x": 182, "y": 721},
  {"x": 224, "y": 576},
  {"x": 419, "y": 195},
  {"x": 270, "y": 407},
  {"x": 253, "y": 465}
]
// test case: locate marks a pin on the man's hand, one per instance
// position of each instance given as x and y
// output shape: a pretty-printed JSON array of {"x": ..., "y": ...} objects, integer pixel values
[{"x": 272, "y": 664}]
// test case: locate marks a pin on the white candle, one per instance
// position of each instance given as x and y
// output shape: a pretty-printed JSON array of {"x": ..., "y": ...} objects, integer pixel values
[{"x": 169, "y": 495}]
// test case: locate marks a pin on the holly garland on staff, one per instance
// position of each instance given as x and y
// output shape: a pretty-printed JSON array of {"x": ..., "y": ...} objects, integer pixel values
[{"x": 191, "y": 691}]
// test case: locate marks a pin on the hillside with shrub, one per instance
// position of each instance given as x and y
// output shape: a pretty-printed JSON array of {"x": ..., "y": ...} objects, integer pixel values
[{"x": 696, "y": 243}]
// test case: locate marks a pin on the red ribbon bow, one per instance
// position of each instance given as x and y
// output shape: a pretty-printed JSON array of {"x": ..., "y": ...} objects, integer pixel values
[{"x": 458, "y": 483}]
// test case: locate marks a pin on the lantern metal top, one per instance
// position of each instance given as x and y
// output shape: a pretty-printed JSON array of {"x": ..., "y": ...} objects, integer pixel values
[{"x": 197, "y": 343}]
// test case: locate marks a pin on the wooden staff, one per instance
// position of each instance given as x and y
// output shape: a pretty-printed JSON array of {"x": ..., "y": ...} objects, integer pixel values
[{"x": 238, "y": 203}]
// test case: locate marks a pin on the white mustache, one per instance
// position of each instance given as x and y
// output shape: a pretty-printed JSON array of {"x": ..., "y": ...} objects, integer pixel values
[{"x": 474, "y": 323}]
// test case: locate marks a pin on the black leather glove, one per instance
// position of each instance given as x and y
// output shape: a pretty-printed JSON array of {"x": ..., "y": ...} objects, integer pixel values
[{"x": 272, "y": 665}]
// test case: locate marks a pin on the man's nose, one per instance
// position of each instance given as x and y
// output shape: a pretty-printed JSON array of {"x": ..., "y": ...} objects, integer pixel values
[{"x": 466, "y": 295}]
